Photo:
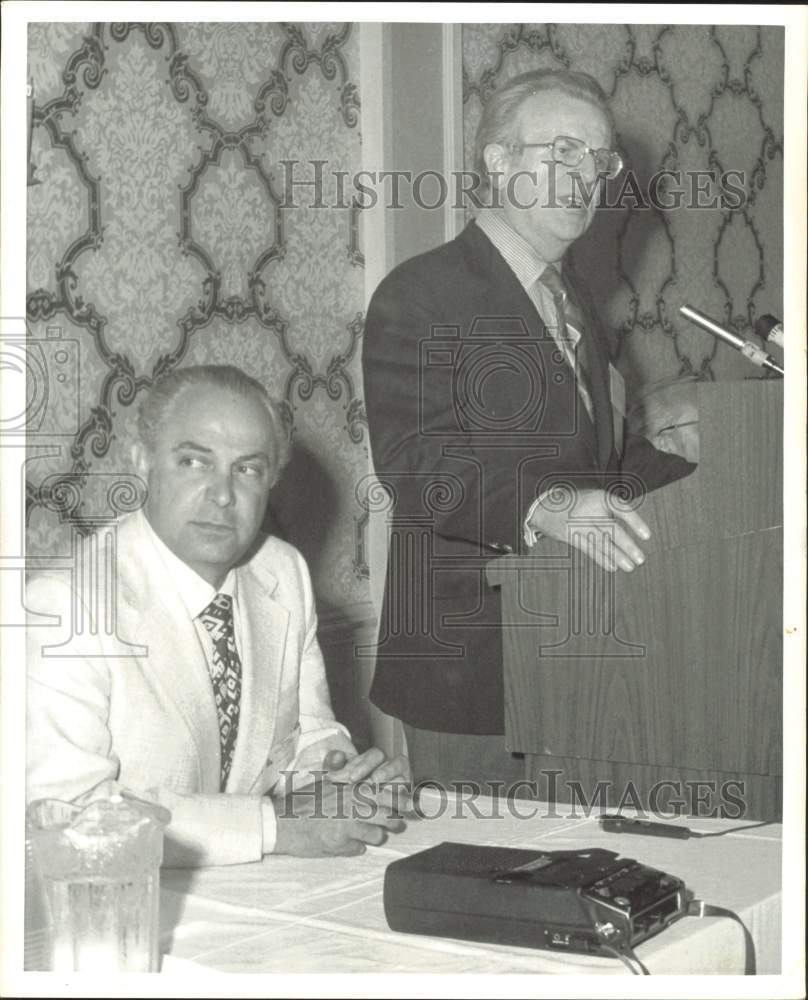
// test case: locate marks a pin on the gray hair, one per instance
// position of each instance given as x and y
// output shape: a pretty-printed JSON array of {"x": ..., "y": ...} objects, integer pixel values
[
  {"x": 158, "y": 403},
  {"x": 498, "y": 121}
]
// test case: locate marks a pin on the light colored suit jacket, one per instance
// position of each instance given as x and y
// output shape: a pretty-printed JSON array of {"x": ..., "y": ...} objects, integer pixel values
[{"x": 147, "y": 721}]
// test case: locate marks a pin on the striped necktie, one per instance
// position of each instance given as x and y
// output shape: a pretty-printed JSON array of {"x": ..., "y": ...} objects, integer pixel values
[
  {"x": 225, "y": 674},
  {"x": 571, "y": 327}
]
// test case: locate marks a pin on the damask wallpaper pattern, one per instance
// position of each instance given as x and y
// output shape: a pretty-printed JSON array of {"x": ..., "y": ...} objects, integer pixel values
[
  {"x": 158, "y": 236},
  {"x": 685, "y": 98}
]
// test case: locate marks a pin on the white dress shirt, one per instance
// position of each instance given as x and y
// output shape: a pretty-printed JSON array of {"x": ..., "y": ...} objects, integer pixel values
[
  {"x": 528, "y": 267},
  {"x": 196, "y": 593}
]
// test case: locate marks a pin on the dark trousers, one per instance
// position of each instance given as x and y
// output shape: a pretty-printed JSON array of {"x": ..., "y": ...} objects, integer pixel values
[{"x": 449, "y": 758}]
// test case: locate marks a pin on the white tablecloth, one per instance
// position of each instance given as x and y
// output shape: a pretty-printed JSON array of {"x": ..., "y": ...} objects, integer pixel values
[{"x": 326, "y": 914}]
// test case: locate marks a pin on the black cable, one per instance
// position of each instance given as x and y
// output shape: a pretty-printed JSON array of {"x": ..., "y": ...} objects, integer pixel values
[
  {"x": 632, "y": 954},
  {"x": 617, "y": 823},
  {"x": 622, "y": 945},
  {"x": 695, "y": 908},
  {"x": 626, "y": 956},
  {"x": 698, "y": 908},
  {"x": 733, "y": 829}
]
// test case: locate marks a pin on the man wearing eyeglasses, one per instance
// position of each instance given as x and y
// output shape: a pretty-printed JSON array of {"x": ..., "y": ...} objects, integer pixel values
[{"x": 494, "y": 415}]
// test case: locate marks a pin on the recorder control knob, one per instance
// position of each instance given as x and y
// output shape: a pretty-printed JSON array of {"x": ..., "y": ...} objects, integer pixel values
[{"x": 606, "y": 930}]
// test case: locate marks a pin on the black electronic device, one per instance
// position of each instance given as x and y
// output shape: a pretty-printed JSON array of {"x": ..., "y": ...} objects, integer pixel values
[
  {"x": 587, "y": 901},
  {"x": 625, "y": 824}
]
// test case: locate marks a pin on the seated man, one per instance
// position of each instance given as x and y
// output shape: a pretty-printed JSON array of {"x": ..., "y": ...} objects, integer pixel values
[
  {"x": 207, "y": 682},
  {"x": 667, "y": 414}
]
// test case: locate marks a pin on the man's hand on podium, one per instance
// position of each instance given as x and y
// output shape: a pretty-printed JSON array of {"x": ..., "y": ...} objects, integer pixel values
[{"x": 598, "y": 528}]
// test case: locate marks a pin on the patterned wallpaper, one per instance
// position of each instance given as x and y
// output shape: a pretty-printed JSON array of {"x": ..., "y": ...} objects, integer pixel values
[
  {"x": 685, "y": 98},
  {"x": 157, "y": 237}
]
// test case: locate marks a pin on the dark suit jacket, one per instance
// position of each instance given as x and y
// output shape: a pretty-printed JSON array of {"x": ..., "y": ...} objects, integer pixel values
[{"x": 472, "y": 413}]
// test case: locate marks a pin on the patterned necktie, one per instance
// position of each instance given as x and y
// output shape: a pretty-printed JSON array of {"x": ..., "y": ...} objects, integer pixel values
[
  {"x": 570, "y": 322},
  {"x": 225, "y": 674}
]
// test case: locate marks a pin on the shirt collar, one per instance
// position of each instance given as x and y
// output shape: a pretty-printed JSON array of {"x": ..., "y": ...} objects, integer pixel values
[
  {"x": 518, "y": 254},
  {"x": 195, "y": 593}
]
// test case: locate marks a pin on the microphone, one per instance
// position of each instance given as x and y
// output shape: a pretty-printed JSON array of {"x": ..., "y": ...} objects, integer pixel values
[
  {"x": 770, "y": 328},
  {"x": 755, "y": 354}
]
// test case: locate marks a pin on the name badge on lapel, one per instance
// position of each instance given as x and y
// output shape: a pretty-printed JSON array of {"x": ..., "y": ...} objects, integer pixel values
[{"x": 617, "y": 393}]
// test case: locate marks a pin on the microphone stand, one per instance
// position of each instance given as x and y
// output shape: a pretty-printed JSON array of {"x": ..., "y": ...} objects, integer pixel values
[{"x": 755, "y": 354}]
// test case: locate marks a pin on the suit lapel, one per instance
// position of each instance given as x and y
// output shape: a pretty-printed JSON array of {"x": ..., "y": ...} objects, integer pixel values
[
  {"x": 265, "y": 627},
  {"x": 505, "y": 296},
  {"x": 175, "y": 662},
  {"x": 601, "y": 401}
]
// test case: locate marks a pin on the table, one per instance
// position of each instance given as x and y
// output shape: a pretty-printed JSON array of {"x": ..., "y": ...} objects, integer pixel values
[{"x": 293, "y": 915}]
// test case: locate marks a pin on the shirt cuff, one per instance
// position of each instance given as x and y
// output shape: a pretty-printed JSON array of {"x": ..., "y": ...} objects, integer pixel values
[
  {"x": 532, "y": 535},
  {"x": 269, "y": 824}
]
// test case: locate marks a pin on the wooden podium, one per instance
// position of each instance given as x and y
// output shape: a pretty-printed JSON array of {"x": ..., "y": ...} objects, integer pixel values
[{"x": 663, "y": 685}]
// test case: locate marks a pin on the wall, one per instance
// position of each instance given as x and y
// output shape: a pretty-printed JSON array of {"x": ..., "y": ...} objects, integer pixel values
[
  {"x": 157, "y": 236},
  {"x": 684, "y": 98}
]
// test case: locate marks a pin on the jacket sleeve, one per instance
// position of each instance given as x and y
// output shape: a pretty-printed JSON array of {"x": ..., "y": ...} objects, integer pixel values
[
  {"x": 422, "y": 452},
  {"x": 318, "y": 730},
  {"x": 652, "y": 467},
  {"x": 69, "y": 747},
  {"x": 70, "y": 754},
  {"x": 68, "y": 739},
  {"x": 640, "y": 460}
]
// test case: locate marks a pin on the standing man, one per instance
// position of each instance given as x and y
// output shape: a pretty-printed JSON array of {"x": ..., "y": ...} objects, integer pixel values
[
  {"x": 222, "y": 687},
  {"x": 488, "y": 385}
]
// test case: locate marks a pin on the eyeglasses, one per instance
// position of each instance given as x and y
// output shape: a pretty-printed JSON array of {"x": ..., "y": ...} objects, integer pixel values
[{"x": 570, "y": 152}]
